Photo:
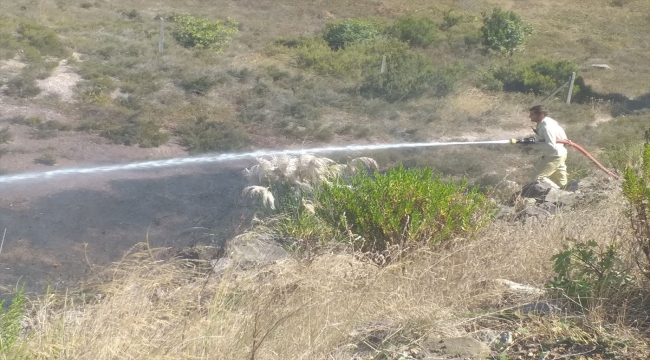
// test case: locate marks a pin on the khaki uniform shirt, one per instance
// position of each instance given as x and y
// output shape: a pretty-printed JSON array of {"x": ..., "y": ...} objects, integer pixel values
[{"x": 549, "y": 131}]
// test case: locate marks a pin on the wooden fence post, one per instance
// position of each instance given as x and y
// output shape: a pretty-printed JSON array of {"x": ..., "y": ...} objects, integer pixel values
[
  {"x": 570, "y": 89},
  {"x": 161, "y": 38},
  {"x": 383, "y": 64}
]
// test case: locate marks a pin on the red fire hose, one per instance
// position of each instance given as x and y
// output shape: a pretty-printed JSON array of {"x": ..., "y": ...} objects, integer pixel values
[
  {"x": 575, "y": 146},
  {"x": 588, "y": 155}
]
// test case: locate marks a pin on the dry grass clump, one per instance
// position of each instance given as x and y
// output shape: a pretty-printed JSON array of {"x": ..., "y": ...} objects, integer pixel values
[{"x": 151, "y": 306}]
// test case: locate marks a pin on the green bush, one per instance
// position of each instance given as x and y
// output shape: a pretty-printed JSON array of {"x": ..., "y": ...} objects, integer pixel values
[
  {"x": 504, "y": 31},
  {"x": 316, "y": 55},
  {"x": 198, "y": 84},
  {"x": 145, "y": 133},
  {"x": 197, "y": 32},
  {"x": 636, "y": 188},
  {"x": 340, "y": 34},
  {"x": 415, "y": 31},
  {"x": 540, "y": 77},
  {"x": 449, "y": 20},
  {"x": 23, "y": 86},
  {"x": 408, "y": 75},
  {"x": 404, "y": 207},
  {"x": 9, "y": 44},
  {"x": 11, "y": 321},
  {"x": 44, "y": 39},
  {"x": 582, "y": 273},
  {"x": 204, "y": 135},
  {"x": 46, "y": 159}
]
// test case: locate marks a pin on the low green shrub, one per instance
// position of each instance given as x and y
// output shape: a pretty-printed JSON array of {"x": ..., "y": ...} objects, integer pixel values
[
  {"x": 204, "y": 135},
  {"x": 636, "y": 188},
  {"x": 504, "y": 31},
  {"x": 540, "y": 78},
  {"x": 583, "y": 273},
  {"x": 408, "y": 75},
  {"x": 315, "y": 54},
  {"x": 11, "y": 321},
  {"x": 415, "y": 31},
  {"x": 449, "y": 20},
  {"x": 199, "y": 84},
  {"x": 145, "y": 133},
  {"x": 46, "y": 159},
  {"x": 23, "y": 86},
  {"x": 31, "y": 121},
  {"x": 5, "y": 135},
  {"x": 198, "y": 32},
  {"x": 403, "y": 207},
  {"x": 42, "y": 38},
  {"x": 340, "y": 34}
]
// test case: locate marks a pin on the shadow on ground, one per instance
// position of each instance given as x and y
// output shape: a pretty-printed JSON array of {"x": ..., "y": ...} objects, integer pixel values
[{"x": 56, "y": 238}]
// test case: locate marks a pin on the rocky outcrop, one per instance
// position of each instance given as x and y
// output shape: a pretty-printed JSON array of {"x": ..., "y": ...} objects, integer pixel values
[{"x": 540, "y": 201}]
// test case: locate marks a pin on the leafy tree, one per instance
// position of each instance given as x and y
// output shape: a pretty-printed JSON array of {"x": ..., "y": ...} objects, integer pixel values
[
  {"x": 504, "y": 31},
  {"x": 342, "y": 33},
  {"x": 197, "y": 32}
]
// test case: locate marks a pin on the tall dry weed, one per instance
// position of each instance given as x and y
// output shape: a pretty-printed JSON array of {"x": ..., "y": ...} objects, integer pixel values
[{"x": 151, "y": 306}]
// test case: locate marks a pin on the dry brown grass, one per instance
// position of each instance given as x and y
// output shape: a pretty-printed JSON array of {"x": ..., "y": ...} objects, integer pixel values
[{"x": 152, "y": 307}]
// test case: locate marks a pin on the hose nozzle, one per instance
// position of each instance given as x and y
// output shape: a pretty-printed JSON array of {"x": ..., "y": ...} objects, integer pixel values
[{"x": 529, "y": 140}]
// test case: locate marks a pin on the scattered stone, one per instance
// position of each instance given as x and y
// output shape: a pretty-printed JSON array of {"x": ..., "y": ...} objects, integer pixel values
[{"x": 454, "y": 348}]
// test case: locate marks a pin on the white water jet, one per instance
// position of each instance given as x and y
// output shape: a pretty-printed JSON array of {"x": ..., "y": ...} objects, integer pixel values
[{"x": 227, "y": 157}]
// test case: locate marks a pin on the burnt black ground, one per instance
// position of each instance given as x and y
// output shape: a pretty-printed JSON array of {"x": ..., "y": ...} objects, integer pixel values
[{"x": 58, "y": 230}]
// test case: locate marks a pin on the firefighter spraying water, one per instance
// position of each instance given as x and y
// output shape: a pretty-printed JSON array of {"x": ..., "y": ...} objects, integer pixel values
[{"x": 551, "y": 167}]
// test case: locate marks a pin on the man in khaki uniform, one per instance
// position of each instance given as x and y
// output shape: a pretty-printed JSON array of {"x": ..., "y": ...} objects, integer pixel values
[{"x": 552, "y": 164}]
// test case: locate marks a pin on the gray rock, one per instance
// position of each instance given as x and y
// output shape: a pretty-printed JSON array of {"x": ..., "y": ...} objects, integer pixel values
[
  {"x": 562, "y": 198},
  {"x": 519, "y": 288},
  {"x": 454, "y": 348},
  {"x": 548, "y": 206},
  {"x": 505, "y": 212},
  {"x": 536, "y": 190},
  {"x": 505, "y": 338},
  {"x": 220, "y": 265},
  {"x": 534, "y": 213},
  {"x": 248, "y": 252},
  {"x": 541, "y": 307}
]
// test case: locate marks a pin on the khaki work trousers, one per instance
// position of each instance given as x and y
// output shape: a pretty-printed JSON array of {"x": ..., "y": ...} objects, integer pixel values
[{"x": 553, "y": 168}]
